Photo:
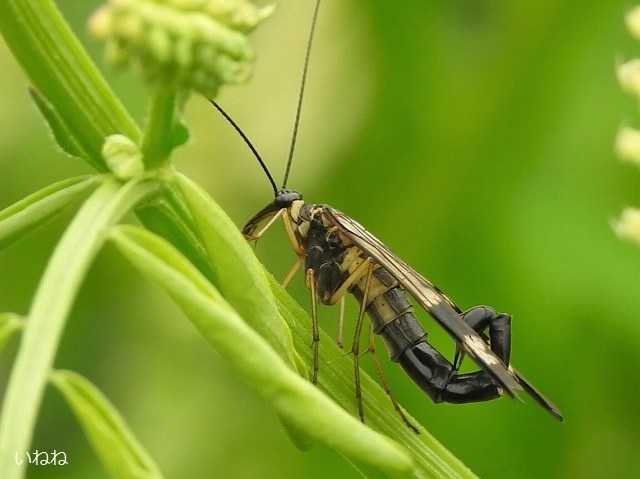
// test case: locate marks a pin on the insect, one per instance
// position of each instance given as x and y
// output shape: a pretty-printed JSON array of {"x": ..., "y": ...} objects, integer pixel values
[{"x": 340, "y": 256}]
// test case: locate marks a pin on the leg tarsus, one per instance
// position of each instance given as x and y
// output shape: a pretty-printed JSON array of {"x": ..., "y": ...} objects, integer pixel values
[
  {"x": 356, "y": 369},
  {"x": 311, "y": 283},
  {"x": 355, "y": 347},
  {"x": 383, "y": 380},
  {"x": 340, "y": 337}
]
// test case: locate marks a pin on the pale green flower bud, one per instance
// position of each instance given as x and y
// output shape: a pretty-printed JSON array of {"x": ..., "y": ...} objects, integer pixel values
[
  {"x": 628, "y": 226},
  {"x": 629, "y": 76},
  {"x": 628, "y": 145},
  {"x": 632, "y": 20},
  {"x": 194, "y": 44},
  {"x": 123, "y": 157}
]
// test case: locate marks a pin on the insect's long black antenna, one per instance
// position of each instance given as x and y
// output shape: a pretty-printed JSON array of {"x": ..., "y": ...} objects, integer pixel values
[
  {"x": 301, "y": 95},
  {"x": 249, "y": 144}
]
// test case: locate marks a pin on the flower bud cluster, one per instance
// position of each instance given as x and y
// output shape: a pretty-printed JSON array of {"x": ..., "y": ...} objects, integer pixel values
[{"x": 194, "y": 44}]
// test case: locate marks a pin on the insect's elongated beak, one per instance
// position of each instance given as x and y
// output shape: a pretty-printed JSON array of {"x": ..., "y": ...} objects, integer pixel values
[{"x": 254, "y": 226}]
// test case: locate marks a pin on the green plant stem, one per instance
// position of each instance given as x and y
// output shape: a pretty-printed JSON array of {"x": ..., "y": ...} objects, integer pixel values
[
  {"x": 51, "y": 305},
  {"x": 156, "y": 141},
  {"x": 62, "y": 71}
]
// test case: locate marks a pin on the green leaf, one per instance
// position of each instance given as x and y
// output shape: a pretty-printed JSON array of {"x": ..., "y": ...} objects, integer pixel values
[
  {"x": 237, "y": 272},
  {"x": 303, "y": 406},
  {"x": 53, "y": 300},
  {"x": 62, "y": 71},
  {"x": 114, "y": 443},
  {"x": 10, "y": 324},
  {"x": 161, "y": 218},
  {"x": 61, "y": 133},
  {"x": 179, "y": 134},
  {"x": 34, "y": 210},
  {"x": 165, "y": 220}
]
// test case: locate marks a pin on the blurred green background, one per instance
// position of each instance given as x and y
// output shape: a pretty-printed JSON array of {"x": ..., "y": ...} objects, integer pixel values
[{"x": 475, "y": 138}]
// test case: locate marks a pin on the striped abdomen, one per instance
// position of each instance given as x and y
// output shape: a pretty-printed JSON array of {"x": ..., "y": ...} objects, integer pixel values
[{"x": 406, "y": 342}]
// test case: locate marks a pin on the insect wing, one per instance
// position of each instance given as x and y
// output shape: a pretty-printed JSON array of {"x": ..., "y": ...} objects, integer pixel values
[
  {"x": 538, "y": 396},
  {"x": 443, "y": 310}
]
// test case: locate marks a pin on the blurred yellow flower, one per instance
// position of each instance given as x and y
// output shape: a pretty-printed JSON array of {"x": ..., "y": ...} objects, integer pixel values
[
  {"x": 629, "y": 76},
  {"x": 628, "y": 226}
]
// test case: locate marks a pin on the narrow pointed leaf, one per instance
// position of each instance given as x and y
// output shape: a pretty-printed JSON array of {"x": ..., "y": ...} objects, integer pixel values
[
  {"x": 63, "y": 72},
  {"x": 37, "y": 208},
  {"x": 165, "y": 220},
  {"x": 110, "y": 436},
  {"x": 61, "y": 133},
  {"x": 237, "y": 272}
]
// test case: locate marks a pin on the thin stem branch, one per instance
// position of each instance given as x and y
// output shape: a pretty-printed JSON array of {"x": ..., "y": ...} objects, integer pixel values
[
  {"x": 53, "y": 301},
  {"x": 156, "y": 141}
]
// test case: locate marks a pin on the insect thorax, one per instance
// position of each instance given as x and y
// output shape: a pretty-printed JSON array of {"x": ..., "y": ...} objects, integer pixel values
[{"x": 334, "y": 258}]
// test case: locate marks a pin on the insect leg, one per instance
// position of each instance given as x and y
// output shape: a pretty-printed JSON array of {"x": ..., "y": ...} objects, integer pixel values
[
  {"x": 355, "y": 348},
  {"x": 339, "y": 338},
  {"x": 383, "y": 380},
  {"x": 311, "y": 283},
  {"x": 297, "y": 247},
  {"x": 292, "y": 272},
  {"x": 360, "y": 271}
]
